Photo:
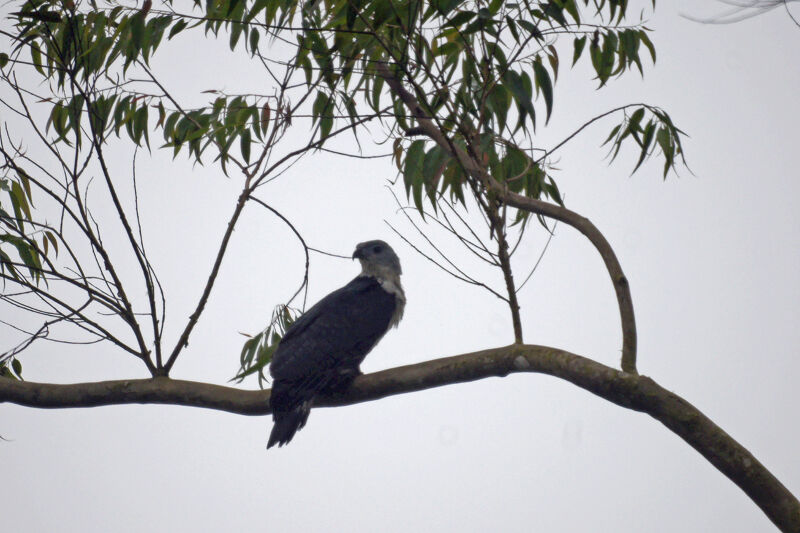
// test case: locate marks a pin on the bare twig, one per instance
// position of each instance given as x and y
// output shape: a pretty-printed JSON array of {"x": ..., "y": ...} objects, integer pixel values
[{"x": 304, "y": 284}]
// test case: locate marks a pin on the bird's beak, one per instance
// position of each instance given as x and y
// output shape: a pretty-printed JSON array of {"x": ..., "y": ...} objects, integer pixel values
[{"x": 357, "y": 254}]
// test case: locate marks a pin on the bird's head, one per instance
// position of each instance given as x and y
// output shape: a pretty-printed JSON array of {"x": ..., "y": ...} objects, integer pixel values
[{"x": 377, "y": 259}]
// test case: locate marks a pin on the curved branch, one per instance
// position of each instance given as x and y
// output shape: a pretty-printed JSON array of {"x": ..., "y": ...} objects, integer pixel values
[
  {"x": 628, "y": 390},
  {"x": 539, "y": 207},
  {"x": 618, "y": 278}
]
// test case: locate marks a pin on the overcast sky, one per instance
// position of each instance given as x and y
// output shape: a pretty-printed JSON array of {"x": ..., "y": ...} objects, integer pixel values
[{"x": 712, "y": 257}]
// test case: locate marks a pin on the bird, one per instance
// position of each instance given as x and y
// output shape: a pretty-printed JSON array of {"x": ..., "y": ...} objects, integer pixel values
[{"x": 322, "y": 350}]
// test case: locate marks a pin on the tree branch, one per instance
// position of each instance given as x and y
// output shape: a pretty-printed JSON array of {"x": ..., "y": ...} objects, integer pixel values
[
  {"x": 631, "y": 391},
  {"x": 539, "y": 207}
]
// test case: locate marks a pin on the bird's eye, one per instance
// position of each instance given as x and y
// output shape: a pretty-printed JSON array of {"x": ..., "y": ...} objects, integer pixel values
[{"x": 377, "y": 249}]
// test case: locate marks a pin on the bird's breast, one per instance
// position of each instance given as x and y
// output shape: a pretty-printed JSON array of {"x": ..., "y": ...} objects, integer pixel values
[{"x": 394, "y": 288}]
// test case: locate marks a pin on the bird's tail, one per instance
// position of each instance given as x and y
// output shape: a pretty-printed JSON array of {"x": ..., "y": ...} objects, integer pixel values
[{"x": 287, "y": 423}]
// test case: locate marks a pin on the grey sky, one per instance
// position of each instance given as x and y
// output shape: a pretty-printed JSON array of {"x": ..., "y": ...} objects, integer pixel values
[{"x": 712, "y": 258}]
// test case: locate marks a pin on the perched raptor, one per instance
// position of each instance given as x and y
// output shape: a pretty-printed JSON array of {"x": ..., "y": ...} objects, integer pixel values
[{"x": 322, "y": 350}]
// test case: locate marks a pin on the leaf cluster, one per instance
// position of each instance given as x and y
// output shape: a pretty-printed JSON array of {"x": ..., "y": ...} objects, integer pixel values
[
  {"x": 484, "y": 72},
  {"x": 21, "y": 242},
  {"x": 11, "y": 369},
  {"x": 98, "y": 48},
  {"x": 657, "y": 133},
  {"x": 258, "y": 350}
]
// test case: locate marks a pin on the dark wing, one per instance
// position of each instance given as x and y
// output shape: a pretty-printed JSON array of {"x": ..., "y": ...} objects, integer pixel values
[
  {"x": 322, "y": 350},
  {"x": 335, "y": 334}
]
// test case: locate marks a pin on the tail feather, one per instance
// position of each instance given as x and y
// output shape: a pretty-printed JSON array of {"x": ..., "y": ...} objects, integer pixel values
[
  {"x": 291, "y": 404},
  {"x": 287, "y": 423}
]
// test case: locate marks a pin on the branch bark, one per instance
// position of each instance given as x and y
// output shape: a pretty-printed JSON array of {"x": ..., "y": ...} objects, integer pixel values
[{"x": 631, "y": 391}]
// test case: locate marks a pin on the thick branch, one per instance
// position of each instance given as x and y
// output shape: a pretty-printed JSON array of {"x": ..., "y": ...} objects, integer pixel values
[
  {"x": 628, "y": 390},
  {"x": 539, "y": 207}
]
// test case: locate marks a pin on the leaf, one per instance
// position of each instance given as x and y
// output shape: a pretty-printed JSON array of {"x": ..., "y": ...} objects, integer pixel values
[
  {"x": 532, "y": 28},
  {"x": 647, "y": 138},
  {"x": 3, "y": 59},
  {"x": 20, "y": 203},
  {"x": 665, "y": 143},
  {"x": 140, "y": 126},
  {"x": 412, "y": 167},
  {"x": 177, "y": 28},
  {"x": 445, "y": 6},
  {"x": 137, "y": 31},
  {"x": 162, "y": 114},
  {"x": 543, "y": 82},
  {"x": 512, "y": 26},
  {"x": 169, "y": 126},
  {"x": 254, "y": 35},
  {"x": 397, "y": 154},
  {"x": 236, "y": 32},
  {"x": 460, "y": 18},
  {"x": 244, "y": 144},
  {"x": 633, "y": 122},
  {"x": 648, "y": 43},
  {"x": 572, "y": 9},
  {"x": 320, "y": 102},
  {"x": 500, "y": 102},
  {"x": 552, "y": 57},
  {"x": 613, "y": 133},
  {"x": 606, "y": 59},
  {"x": 432, "y": 168},
  {"x": 50, "y": 237},
  {"x": 514, "y": 83},
  {"x": 579, "y": 45}
]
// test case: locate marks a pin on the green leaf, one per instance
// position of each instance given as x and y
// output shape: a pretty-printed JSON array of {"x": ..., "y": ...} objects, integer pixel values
[
  {"x": 445, "y": 6},
  {"x": 169, "y": 125},
  {"x": 432, "y": 168},
  {"x": 377, "y": 87},
  {"x": 236, "y": 32},
  {"x": 572, "y": 9},
  {"x": 460, "y": 18},
  {"x": 636, "y": 118},
  {"x": 320, "y": 102},
  {"x": 326, "y": 122},
  {"x": 665, "y": 143},
  {"x": 3, "y": 59},
  {"x": 543, "y": 82},
  {"x": 254, "y": 36},
  {"x": 19, "y": 202},
  {"x": 648, "y": 43},
  {"x": 245, "y": 145},
  {"x": 140, "y": 125},
  {"x": 512, "y": 26},
  {"x": 50, "y": 237},
  {"x": 16, "y": 366},
  {"x": 532, "y": 28},
  {"x": 647, "y": 138},
  {"x": 499, "y": 102},
  {"x": 613, "y": 133},
  {"x": 137, "y": 31},
  {"x": 606, "y": 59},
  {"x": 514, "y": 82},
  {"x": 412, "y": 166},
  {"x": 177, "y": 28}
]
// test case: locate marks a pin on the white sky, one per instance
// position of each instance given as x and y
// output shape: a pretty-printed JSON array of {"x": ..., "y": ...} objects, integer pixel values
[{"x": 713, "y": 260}]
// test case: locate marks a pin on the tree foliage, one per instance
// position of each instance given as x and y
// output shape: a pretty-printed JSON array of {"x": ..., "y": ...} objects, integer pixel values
[{"x": 484, "y": 73}]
